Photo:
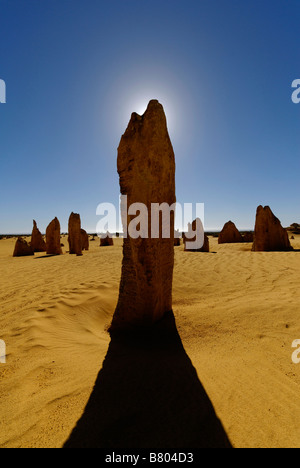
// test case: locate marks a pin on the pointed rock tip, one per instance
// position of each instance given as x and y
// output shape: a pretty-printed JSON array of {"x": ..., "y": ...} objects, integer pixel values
[
  {"x": 153, "y": 105},
  {"x": 264, "y": 208}
]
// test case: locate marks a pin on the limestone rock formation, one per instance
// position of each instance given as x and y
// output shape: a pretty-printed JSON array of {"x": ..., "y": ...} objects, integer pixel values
[
  {"x": 37, "y": 240},
  {"x": 22, "y": 248},
  {"x": 269, "y": 235},
  {"x": 196, "y": 227},
  {"x": 106, "y": 240},
  {"x": 74, "y": 238},
  {"x": 85, "y": 240},
  {"x": 53, "y": 238},
  {"x": 230, "y": 234},
  {"x": 248, "y": 236},
  {"x": 146, "y": 166}
]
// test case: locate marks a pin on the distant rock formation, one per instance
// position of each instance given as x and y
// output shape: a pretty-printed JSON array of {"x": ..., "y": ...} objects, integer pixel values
[
  {"x": 248, "y": 237},
  {"x": 146, "y": 166},
  {"x": 74, "y": 238},
  {"x": 22, "y": 248},
  {"x": 106, "y": 240},
  {"x": 85, "y": 240},
  {"x": 269, "y": 235},
  {"x": 37, "y": 240},
  {"x": 196, "y": 227},
  {"x": 53, "y": 238},
  {"x": 230, "y": 234}
]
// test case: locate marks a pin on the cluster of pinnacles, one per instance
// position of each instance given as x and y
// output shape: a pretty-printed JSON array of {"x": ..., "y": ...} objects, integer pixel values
[
  {"x": 268, "y": 236},
  {"x": 78, "y": 239}
]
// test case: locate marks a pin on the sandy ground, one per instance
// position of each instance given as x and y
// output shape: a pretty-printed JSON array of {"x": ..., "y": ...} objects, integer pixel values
[{"x": 237, "y": 313}]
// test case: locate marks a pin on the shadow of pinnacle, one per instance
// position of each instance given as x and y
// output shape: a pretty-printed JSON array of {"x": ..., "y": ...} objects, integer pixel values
[{"x": 148, "y": 395}]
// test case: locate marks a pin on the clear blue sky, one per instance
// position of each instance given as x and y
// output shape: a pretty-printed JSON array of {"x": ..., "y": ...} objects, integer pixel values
[{"x": 76, "y": 69}]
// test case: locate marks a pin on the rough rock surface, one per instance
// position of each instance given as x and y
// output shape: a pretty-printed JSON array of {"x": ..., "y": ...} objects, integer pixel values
[
  {"x": 22, "y": 248},
  {"x": 53, "y": 238},
  {"x": 85, "y": 241},
  {"x": 37, "y": 240},
  {"x": 74, "y": 238},
  {"x": 269, "y": 235},
  {"x": 146, "y": 166},
  {"x": 230, "y": 234},
  {"x": 192, "y": 227}
]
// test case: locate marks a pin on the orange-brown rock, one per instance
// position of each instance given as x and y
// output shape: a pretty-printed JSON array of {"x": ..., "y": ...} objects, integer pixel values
[
  {"x": 85, "y": 240},
  {"x": 196, "y": 234},
  {"x": 146, "y": 167},
  {"x": 53, "y": 238},
  {"x": 22, "y": 248},
  {"x": 248, "y": 237},
  {"x": 74, "y": 238},
  {"x": 106, "y": 240},
  {"x": 37, "y": 240},
  {"x": 269, "y": 235},
  {"x": 230, "y": 234}
]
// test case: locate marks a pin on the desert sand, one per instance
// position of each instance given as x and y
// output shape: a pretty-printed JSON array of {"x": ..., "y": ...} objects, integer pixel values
[{"x": 237, "y": 314}]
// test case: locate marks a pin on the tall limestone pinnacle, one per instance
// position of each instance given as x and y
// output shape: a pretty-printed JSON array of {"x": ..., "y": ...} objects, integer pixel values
[
  {"x": 75, "y": 237},
  {"x": 37, "y": 241},
  {"x": 269, "y": 235},
  {"x": 53, "y": 238},
  {"x": 146, "y": 167}
]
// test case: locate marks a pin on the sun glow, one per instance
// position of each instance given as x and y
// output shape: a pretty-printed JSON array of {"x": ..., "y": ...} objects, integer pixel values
[
  {"x": 132, "y": 91},
  {"x": 138, "y": 102},
  {"x": 141, "y": 108}
]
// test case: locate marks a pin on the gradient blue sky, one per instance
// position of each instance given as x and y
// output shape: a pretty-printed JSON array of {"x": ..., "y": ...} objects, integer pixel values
[{"x": 76, "y": 69}]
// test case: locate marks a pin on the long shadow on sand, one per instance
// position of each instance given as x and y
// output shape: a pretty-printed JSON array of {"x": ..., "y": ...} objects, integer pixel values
[{"x": 148, "y": 395}]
